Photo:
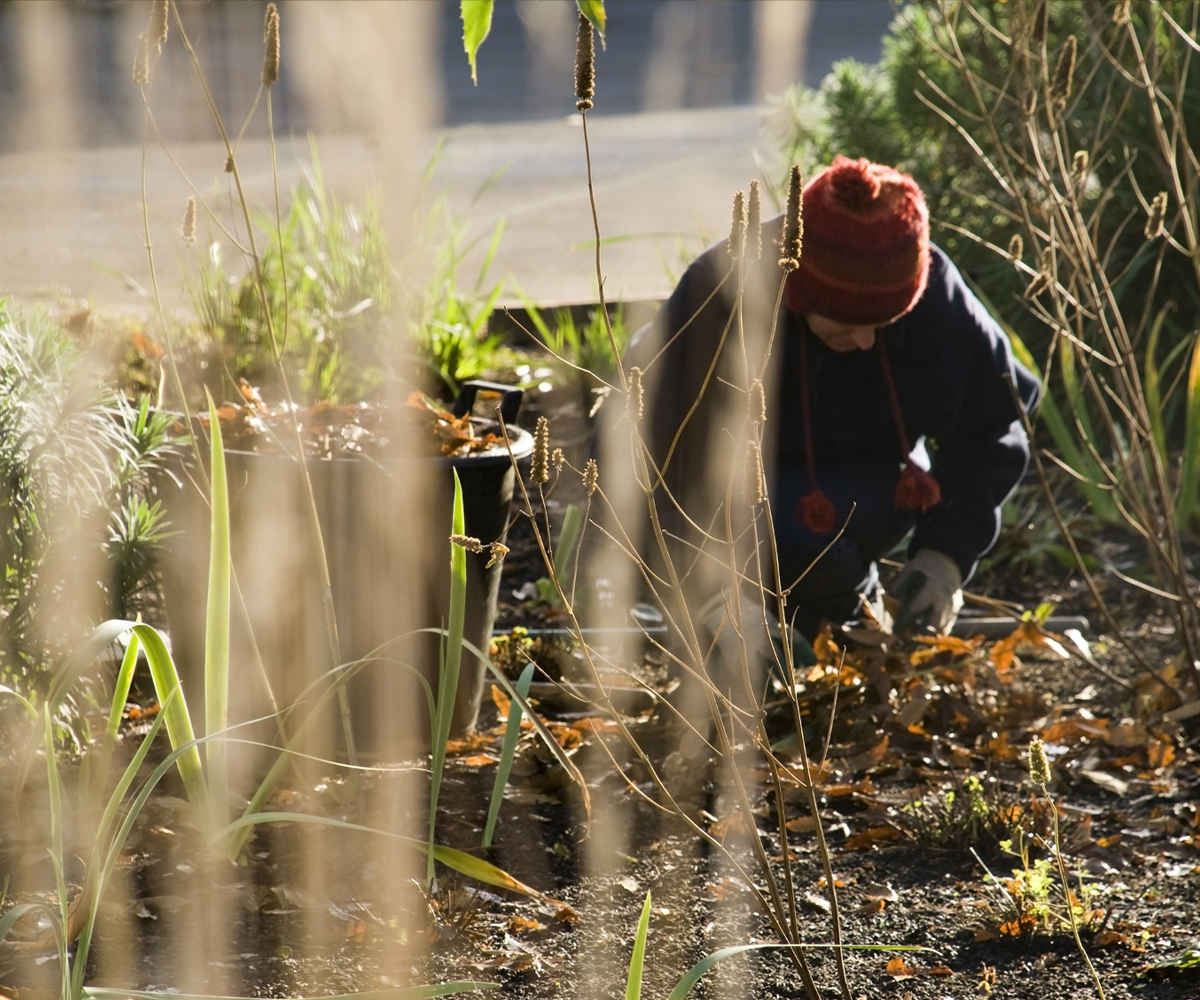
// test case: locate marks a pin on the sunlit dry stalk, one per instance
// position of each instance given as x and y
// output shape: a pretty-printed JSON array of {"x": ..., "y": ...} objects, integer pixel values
[
  {"x": 1156, "y": 215},
  {"x": 468, "y": 542},
  {"x": 1064, "y": 74},
  {"x": 1038, "y": 285},
  {"x": 1121, "y": 13},
  {"x": 158, "y": 25},
  {"x": 591, "y": 476},
  {"x": 539, "y": 467},
  {"x": 270, "y": 71},
  {"x": 635, "y": 394},
  {"x": 585, "y": 65},
  {"x": 754, "y": 223},
  {"x": 793, "y": 226},
  {"x": 189, "y": 222},
  {"x": 756, "y": 480},
  {"x": 1079, "y": 168},
  {"x": 758, "y": 402},
  {"x": 141, "y": 61},
  {"x": 736, "y": 245}
]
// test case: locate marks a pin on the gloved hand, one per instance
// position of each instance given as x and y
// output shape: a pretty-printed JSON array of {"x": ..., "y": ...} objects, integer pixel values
[
  {"x": 763, "y": 639},
  {"x": 930, "y": 591}
]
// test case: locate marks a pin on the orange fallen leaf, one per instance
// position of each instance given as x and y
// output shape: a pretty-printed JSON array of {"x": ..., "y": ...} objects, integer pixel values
[
  {"x": 871, "y": 906},
  {"x": 502, "y": 701},
  {"x": 873, "y": 837},
  {"x": 898, "y": 970},
  {"x": 477, "y": 760},
  {"x": 520, "y": 925}
]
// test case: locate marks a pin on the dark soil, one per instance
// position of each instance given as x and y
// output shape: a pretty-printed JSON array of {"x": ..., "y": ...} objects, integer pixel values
[{"x": 924, "y": 794}]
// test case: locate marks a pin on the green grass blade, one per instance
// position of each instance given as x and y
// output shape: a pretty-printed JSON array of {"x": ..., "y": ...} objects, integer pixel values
[
  {"x": 509, "y": 747},
  {"x": 173, "y": 700},
  {"x": 477, "y": 22},
  {"x": 216, "y": 625},
  {"x": 400, "y": 993},
  {"x": 459, "y": 861},
  {"x": 116, "y": 711},
  {"x": 633, "y": 985},
  {"x": 593, "y": 10},
  {"x": 16, "y": 913},
  {"x": 1189, "y": 482},
  {"x": 697, "y": 971},
  {"x": 1152, "y": 386},
  {"x": 451, "y": 662},
  {"x": 568, "y": 541}
]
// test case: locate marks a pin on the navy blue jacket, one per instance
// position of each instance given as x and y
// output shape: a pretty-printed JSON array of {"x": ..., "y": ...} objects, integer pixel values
[{"x": 949, "y": 360}]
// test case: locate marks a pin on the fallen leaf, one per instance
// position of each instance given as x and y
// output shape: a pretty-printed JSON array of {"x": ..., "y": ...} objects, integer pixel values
[
  {"x": 477, "y": 760},
  {"x": 873, "y": 837},
  {"x": 1109, "y": 782},
  {"x": 518, "y": 924},
  {"x": 871, "y": 906}
]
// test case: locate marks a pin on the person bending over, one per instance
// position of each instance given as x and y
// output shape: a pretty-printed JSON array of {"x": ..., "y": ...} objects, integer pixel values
[{"x": 889, "y": 402}]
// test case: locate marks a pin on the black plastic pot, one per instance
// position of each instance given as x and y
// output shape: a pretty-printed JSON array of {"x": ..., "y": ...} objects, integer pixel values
[{"x": 386, "y": 526}]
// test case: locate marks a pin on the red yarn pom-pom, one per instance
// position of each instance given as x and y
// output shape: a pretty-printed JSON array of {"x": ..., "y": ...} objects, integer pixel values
[
  {"x": 917, "y": 489},
  {"x": 816, "y": 512}
]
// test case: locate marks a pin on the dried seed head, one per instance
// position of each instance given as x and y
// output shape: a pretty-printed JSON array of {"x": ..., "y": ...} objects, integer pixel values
[
  {"x": 1079, "y": 167},
  {"x": 189, "y": 222},
  {"x": 635, "y": 394},
  {"x": 1038, "y": 35},
  {"x": 1039, "y": 763},
  {"x": 1039, "y": 284},
  {"x": 1016, "y": 247},
  {"x": 591, "y": 476},
  {"x": 1064, "y": 74},
  {"x": 229, "y": 164},
  {"x": 141, "y": 61},
  {"x": 467, "y": 542},
  {"x": 793, "y": 225},
  {"x": 756, "y": 480},
  {"x": 270, "y": 71},
  {"x": 758, "y": 402},
  {"x": 539, "y": 467},
  {"x": 754, "y": 222},
  {"x": 1121, "y": 14},
  {"x": 585, "y": 65},
  {"x": 558, "y": 459},
  {"x": 1158, "y": 212},
  {"x": 737, "y": 227},
  {"x": 1029, "y": 105},
  {"x": 158, "y": 25},
  {"x": 499, "y": 551}
]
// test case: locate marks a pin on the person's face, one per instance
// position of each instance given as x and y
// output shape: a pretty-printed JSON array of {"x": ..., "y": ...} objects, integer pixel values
[{"x": 838, "y": 336}]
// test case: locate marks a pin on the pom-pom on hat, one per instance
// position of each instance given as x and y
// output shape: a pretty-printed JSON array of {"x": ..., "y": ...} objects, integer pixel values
[{"x": 866, "y": 245}]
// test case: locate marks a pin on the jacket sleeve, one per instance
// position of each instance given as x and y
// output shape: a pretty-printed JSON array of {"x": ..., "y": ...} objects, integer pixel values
[{"x": 980, "y": 450}]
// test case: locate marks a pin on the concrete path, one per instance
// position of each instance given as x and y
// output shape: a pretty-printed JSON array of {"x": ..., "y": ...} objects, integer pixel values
[{"x": 71, "y": 222}]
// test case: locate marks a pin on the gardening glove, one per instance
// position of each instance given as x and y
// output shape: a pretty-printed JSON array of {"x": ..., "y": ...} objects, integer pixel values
[
  {"x": 763, "y": 640},
  {"x": 929, "y": 590}
]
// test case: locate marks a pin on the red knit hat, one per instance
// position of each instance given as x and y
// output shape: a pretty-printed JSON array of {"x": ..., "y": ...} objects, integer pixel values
[
  {"x": 865, "y": 254},
  {"x": 864, "y": 259}
]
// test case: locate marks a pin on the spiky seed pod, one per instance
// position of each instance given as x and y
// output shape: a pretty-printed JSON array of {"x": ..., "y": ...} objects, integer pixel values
[
  {"x": 1038, "y": 35},
  {"x": 635, "y": 394},
  {"x": 585, "y": 65},
  {"x": 558, "y": 459},
  {"x": 270, "y": 71},
  {"x": 1158, "y": 212},
  {"x": 468, "y": 542},
  {"x": 793, "y": 225},
  {"x": 754, "y": 223},
  {"x": 158, "y": 25},
  {"x": 1079, "y": 167},
  {"x": 1064, "y": 74},
  {"x": 758, "y": 402},
  {"x": 1016, "y": 247},
  {"x": 1039, "y": 284},
  {"x": 499, "y": 551},
  {"x": 539, "y": 467},
  {"x": 1121, "y": 14},
  {"x": 141, "y": 61},
  {"x": 737, "y": 227},
  {"x": 591, "y": 476},
  {"x": 756, "y": 480},
  {"x": 1039, "y": 763},
  {"x": 189, "y": 222}
]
